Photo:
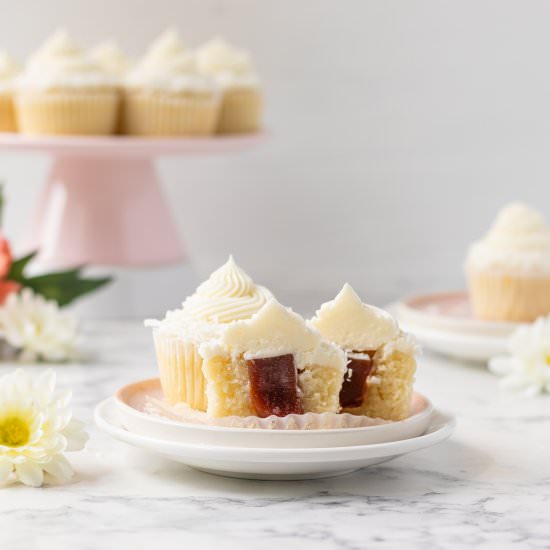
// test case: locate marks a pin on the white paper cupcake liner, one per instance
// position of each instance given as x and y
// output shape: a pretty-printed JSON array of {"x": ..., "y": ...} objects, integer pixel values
[{"x": 308, "y": 421}]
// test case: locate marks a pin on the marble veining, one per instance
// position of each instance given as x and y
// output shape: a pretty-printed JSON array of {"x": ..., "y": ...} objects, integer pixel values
[{"x": 488, "y": 486}]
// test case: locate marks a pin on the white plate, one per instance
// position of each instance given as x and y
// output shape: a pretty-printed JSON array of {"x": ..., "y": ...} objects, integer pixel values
[
  {"x": 130, "y": 401},
  {"x": 444, "y": 323},
  {"x": 273, "y": 463}
]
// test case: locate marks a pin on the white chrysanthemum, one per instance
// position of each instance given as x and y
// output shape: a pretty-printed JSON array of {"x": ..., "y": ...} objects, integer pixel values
[
  {"x": 528, "y": 368},
  {"x": 36, "y": 427},
  {"x": 37, "y": 327}
]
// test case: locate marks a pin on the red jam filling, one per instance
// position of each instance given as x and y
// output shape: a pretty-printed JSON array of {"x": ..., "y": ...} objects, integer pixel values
[
  {"x": 355, "y": 380},
  {"x": 274, "y": 386}
]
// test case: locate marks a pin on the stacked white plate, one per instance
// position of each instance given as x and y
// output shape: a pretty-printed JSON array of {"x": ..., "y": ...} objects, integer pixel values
[
  {"x": 267, "y": 454},
  {"x": 444, "y": 323}
]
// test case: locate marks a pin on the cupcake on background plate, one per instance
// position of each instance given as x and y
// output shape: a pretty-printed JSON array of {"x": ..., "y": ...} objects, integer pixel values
[
  {"x": 166, "y": 96},
  {"x": 8, "y": 73},
  {"x": 63, "y": 91},
  {"x": 508, "y": 270},
  {"x": 242, "y": 102},
  {"x": 380, "y": 357},
  {"x": 228, "y": 295}
]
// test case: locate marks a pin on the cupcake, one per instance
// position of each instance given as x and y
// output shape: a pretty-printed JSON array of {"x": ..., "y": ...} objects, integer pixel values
[
  {"x": 166, "y": 96},
  {"x": 380, "y": 357},
  {"x": 111, "y": 59},
  {"x": 508, "y": 270},
  {"x": 63, "y": 91},
  {"x": 272, "y": 364},
  {"x": 229, "y": 295},
  {"x": 8, "y": 72},
  {"x": 232, "y": 69}
]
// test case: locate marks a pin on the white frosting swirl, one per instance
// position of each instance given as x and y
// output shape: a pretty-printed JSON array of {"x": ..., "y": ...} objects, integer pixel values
[
  {"x": 230, "y": 66},
  {"x": 168, "y": 67},
  {"x": 111, "y": 58},
  {"x": 519, "y": 241},
  {"x": 228, "y": 295},
  {"x": 61, "y": 63}
]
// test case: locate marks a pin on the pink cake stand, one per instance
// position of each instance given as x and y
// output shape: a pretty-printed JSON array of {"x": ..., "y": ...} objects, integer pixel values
[{"x": 102, "y": 203}]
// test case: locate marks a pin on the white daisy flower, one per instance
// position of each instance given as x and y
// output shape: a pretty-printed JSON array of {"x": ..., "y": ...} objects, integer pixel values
[
  {"x": 36, "y": 428},
  {"x": 528, "y": 367},
  {"x": 37, "y": 327}
]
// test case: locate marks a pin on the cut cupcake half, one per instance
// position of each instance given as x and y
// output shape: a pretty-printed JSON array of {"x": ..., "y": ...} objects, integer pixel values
[
  {"x": 380, "y": 357},
  {"x": 272, "y": 364}
]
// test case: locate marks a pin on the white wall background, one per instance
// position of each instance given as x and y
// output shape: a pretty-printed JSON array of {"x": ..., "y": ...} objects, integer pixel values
[{"x": 399, "y": 127}]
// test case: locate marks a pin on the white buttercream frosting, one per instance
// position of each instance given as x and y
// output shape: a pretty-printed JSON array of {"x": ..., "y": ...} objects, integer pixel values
[
  {"x": 527, "y": 369},
  {"x": 273, "y": 331},
  {"x": 230, "y": 66},
  {"x": 353, "y": 325},
  {"x": 519, "y": 240},
  {"x": 111, "y": 58},
  {"x": 228, "y": 295},
  {"x": 167, "y": 66},
  {"x": 8, "y": 71},
  {"x": 60, "y": 63}
]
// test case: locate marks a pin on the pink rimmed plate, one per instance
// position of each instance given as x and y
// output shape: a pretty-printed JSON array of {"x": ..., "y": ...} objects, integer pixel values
[{"x": 130, "y": 403}]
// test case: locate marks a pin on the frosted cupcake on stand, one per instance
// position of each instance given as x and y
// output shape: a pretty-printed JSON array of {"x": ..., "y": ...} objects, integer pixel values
[
  {"x": 509, "y": 269},
  {"x": 166, "y": 96},
  {"x": 8, "y": 72},
  {"x": 232, "y": 68},
  {"x": 63, "y": 91}
]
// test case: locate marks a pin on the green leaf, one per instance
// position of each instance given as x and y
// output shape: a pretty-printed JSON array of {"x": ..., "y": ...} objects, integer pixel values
[
  {"x": 64, "y": 286},
  {"x": 18, "y": 266}
]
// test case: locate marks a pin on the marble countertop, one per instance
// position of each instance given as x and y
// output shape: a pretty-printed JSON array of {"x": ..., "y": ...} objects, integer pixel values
[{"x": 488, "y": 486}]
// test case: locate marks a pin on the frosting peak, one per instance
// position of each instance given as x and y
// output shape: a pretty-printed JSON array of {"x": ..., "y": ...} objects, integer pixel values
[
  {"x": 353, "y": 325},
  {"x": 165, "y": 48},
  {"x": 273, "y": 330},
  {"x": 519, "y": 239},
  {"x": 111, "y": 58},
  {"x": 229, "y": 294}
]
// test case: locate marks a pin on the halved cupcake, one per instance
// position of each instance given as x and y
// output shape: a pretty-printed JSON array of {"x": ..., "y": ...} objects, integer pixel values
[
  {"x": 227, "y": 296},
  {"x": 381, "y": 358},
  {"x": 272, "y": 364}
]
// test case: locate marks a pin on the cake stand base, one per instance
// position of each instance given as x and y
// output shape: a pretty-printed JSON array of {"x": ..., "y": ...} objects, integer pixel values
[
  {"x": 102, "y": 204},
  {"x": 109, "y": 209}
]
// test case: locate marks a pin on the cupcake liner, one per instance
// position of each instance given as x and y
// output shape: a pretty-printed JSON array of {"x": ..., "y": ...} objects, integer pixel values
[
  {"x": 308, "y": 421},
  {"x": 502, "y": 297},
  {"x": 169, "y": 114},
  {"x": 241, "y": 111},
  {"x": 67, "y": 112},
  {"x": 7, "y": 114},
  {"x": 180, "y": 367}
]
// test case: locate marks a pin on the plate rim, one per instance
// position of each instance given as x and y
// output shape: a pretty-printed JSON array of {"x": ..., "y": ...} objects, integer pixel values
[{"x": 427, "y": 411}]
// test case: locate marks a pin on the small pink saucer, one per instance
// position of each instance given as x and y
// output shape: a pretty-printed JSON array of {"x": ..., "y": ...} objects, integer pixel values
[{"x": 444, "y": 323}]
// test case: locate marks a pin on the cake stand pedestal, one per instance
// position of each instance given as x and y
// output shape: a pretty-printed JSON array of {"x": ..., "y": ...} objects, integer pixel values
[{"x": 103, "y": 204}]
